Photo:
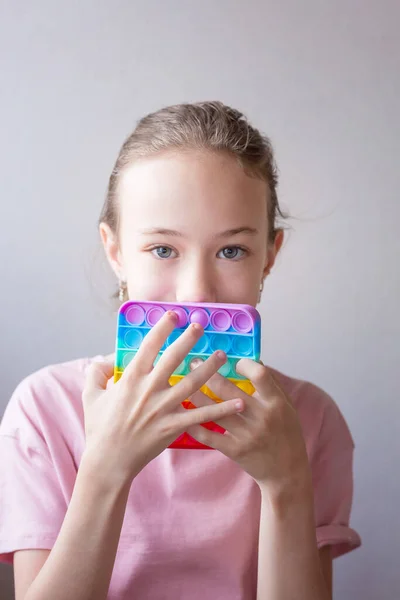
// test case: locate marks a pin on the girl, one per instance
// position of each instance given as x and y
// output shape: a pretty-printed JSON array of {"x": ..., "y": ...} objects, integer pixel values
[{"x": 94, "y": 504}]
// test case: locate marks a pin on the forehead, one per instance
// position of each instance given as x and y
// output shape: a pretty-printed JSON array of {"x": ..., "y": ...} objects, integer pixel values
[{"x": 182, "y": 189}]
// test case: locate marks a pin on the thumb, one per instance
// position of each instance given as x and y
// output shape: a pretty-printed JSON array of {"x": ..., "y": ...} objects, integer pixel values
[{"x": 99, "y": 373}]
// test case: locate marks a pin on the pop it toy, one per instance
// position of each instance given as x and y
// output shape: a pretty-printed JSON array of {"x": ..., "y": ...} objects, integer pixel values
[{"x": 233, "y": 328}]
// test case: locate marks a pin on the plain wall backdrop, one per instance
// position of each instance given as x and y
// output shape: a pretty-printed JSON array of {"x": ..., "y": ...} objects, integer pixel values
[{"x": 322, "y": 79}]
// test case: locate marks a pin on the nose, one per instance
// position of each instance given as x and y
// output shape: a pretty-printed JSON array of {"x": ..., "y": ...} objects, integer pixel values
[{"x": 196, "y": 283}]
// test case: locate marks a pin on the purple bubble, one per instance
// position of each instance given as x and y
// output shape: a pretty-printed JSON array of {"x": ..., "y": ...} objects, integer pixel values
[
  {"x": 199, "y": 315},
  {"x": 242, "y": 322},
  {"x": 154, "y": 314},
  {"x": 182, "y": 316},
  {"x": 221, "y": 320},
  {"x": 135, "y": 315}
]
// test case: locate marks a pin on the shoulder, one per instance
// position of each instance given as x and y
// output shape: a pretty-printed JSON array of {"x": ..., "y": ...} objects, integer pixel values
[
  {"x": 322, "y": 421},
  {"x": 45, "y": 400}
]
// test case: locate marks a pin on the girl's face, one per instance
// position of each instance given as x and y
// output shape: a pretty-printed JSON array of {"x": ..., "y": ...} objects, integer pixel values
[{"x": 193, "y": 228}]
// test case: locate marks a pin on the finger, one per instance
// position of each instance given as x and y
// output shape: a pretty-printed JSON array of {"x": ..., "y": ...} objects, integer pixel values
[
  {"x": 192, "y": 382},
  {"x": 199, "y": 398},
  {"x": 152, "y": 344},
  {"x": 233, "y": 423},
  {"x": 262, "y": 378},
  {"x": 224, "y": 388},
  {"x": 205, "y": 414},
  {"x": 223, "y": 442},
  {"x": 173, "y": 356},
  {"x": 221, "y": 388},
  {"x": 99, "y": 373}
]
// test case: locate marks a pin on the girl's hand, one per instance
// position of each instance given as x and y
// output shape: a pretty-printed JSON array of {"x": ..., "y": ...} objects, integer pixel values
[
  {"x": 129, "y": 423},
  {"x": 266, "y": 439}
]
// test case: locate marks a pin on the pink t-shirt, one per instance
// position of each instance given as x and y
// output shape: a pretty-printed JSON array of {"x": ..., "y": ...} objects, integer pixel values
[{"x": 192, "y": 518}]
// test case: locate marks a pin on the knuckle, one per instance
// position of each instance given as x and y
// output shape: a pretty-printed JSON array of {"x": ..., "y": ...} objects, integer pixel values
[
  {"x": 259, "y": 435},
  {"x": 238, "y": 451},
  {"x": 129, "y": 383},
  {"x": 132, "y": 370},
  {"x": 184, "y": 388},
  {"x": 191, "y": 383},
  {"x": 166, "y": 428}
]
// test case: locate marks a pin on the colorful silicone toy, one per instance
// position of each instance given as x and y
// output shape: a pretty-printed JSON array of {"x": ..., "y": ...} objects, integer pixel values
[{"x": 233, "y": 328}]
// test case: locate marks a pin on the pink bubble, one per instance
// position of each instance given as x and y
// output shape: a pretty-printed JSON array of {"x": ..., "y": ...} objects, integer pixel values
[
  {"x": 221, "y": 320},
  {"x": 182, "y": 316},
  {"x": 199, "y": 315},
  {"x": 242, "y": 322},
  {"x": 154, "y": 314},
  {"x": 135, "y": 315}
]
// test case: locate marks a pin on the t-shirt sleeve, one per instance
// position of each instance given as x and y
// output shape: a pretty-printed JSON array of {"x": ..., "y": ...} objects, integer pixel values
[
  {"x": 332, "y": 469},
  {"x": 32, "y": 504}
]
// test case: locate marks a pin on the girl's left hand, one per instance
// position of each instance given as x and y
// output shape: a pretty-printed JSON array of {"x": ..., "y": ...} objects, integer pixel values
[{"x": 265, "y": 439}]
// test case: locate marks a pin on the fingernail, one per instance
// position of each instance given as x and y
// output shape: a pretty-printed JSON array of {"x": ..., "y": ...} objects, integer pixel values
[
  {"x": 239, "y": 406},
  {"x": 221, "y": 354}
]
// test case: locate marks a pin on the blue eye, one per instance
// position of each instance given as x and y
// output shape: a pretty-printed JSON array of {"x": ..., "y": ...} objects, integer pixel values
[
  {"x": 232, "y": 252},
  {"x": 162, "y": 251}
]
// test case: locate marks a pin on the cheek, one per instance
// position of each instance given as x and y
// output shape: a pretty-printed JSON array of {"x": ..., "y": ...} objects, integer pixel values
[
  {"x": 148, "y": 288},
  {"x": 147, "y": 280},
  {"x": 239, "y": 283}
]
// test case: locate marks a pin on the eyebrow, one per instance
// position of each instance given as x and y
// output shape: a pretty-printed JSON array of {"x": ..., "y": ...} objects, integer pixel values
[{"x": 223, "y": 234}]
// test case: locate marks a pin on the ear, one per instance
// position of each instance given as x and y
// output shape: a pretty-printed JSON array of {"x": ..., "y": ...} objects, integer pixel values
[
  {"x": 273, "y": 250},
  {"x": 112, "y": 250}
]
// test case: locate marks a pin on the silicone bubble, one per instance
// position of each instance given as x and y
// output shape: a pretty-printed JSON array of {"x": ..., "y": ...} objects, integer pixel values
[
  {"x": 154, "y": 314},
  {"x": 225, "y": 369},
  {"x": 127, "y": 359},
  {"x": 241, "y": 322},
  {"x": 199, "y": 315},
  {"x": 201, "y": 346},
  {"x": 182, "y": 316},
  {"x": 220, "y": 320},
  {"x": 220, "y": 342},
  {"x": 133, "y": 338},
  {"x": 242, "y": 346},
  {"x": 135, "y": 315}
]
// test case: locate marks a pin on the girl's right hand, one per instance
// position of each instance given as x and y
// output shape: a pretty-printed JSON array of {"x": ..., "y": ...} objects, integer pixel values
[{"x": 130, "y": 422}]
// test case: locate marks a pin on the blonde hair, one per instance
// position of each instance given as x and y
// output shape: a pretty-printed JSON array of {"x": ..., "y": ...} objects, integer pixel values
[{"x": 209, "y": 126}]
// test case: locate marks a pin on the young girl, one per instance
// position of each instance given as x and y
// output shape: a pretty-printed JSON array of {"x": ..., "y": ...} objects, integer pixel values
[{"x": 94, "y": 504}]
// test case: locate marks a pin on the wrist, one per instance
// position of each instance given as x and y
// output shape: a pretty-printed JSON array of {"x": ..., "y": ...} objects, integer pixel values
[
  {"x": 93, "y": 469},
  {"x": 292, "y": 494}
]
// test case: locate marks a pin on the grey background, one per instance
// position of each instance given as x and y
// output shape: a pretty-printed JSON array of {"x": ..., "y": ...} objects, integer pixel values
[{"x": 322, "y": 79}]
